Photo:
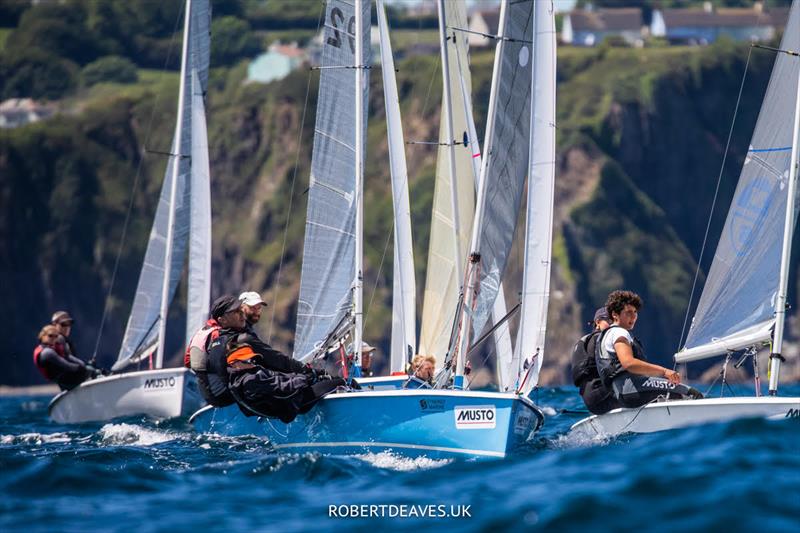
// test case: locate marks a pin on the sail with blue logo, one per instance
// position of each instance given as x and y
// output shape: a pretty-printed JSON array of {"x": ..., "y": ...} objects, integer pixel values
[
  {"x": 187, "y": 156},
  {"x": 738, "y": 303},
  {"x": 328, "y": 271}
]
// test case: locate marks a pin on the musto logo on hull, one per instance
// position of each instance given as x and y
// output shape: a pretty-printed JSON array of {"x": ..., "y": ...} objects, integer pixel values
[
  {"x": 476, "y": 417},
  {"x": 159, "y": 383}
]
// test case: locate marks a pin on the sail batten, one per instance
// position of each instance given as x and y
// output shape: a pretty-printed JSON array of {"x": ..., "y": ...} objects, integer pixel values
[
  {"x": 144, "y": 329},
  {"x": 328, "y": 271},
  {"x": 742, "y": 285}
]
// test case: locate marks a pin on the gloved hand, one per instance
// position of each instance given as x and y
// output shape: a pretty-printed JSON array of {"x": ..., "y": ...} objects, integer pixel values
[{"x": 93, "y": 372}]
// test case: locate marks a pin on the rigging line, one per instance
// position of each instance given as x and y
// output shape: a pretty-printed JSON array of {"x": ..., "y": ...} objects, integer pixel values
[
  {"x": 380, "y": 269},
  {"x": 136, "y": 180},
  {"x": 714, "y": 201},
  {"x": 291, "y": 192}
]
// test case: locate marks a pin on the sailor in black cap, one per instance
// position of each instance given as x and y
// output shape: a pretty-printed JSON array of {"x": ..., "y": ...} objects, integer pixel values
[{"x": 595, "y": 395}]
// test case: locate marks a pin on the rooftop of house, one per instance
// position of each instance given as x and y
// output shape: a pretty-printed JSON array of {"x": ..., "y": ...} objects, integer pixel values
[{"x": 610, "y": 19}]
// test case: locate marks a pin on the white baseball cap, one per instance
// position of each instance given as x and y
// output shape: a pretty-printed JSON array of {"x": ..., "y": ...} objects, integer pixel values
[{"x": 251, "y": 298}]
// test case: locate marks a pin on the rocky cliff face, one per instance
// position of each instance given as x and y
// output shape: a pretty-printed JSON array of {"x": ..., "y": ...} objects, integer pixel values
[{"x": 641, "y": 139}]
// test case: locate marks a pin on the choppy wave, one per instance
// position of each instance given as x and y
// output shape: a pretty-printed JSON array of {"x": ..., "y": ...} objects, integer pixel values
[{"x": 136, "y": 474}]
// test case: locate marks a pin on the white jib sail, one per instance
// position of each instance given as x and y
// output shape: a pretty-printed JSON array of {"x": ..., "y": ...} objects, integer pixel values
[
  {"x": 166, "y": 248},
  {"x": 541, "y": 186},
  {"x": 739, "y": 298},
  {"x": 404, "y": 294}
]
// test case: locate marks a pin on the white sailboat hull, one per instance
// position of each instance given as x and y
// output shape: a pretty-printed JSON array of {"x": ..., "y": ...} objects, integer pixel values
[
  {"x": 162, "y": 393},
  {"x": 674, "y": 414}
]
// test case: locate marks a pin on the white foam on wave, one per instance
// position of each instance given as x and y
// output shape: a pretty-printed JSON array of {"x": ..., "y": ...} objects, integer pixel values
[
  {"x": 127, "y": 434},
  {"x": 548, "y": 411},
  {"x": 577, "y": 439},
  {"x": 390, "y": 461},
  {"x": 35, "y": 438}
]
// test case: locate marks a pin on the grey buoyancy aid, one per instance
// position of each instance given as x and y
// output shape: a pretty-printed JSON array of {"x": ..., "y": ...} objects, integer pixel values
[{"x": 608, "y": 365}]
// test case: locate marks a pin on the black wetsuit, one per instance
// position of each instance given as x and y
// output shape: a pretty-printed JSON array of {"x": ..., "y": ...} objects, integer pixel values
[
  {"x": 272, "y": 384},
  {"x": 67, "y": 370},
  {"x": 598, "y": 398},
  {"x": 634, "y": 390}
]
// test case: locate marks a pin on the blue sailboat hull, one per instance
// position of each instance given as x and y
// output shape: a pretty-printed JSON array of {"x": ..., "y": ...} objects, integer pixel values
[{"x": 431, "y": 423}]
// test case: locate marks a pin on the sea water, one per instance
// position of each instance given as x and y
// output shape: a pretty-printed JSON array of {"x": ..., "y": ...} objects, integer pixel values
[{"x": 142, "y": 475}]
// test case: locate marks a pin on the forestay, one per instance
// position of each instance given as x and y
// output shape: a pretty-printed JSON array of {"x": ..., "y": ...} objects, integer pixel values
[
  {"x": 506, "y": 158},
  {"x": 329, "y": 248},
  {"x": 404, "y": 286},
  {"x": 541, "y": 188},
  {"x": 142, "y": 332},
  {"x": 737, "y": 306}
]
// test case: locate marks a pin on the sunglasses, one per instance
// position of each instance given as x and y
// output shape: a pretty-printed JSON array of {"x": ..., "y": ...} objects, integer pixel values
[
  {"x": 68, "y": 323},
  {"x": 51, "y": 336}
]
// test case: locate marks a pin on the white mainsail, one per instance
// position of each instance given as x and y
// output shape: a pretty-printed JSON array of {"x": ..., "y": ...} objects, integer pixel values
[
  {"x": 404, "y": 336},
  {"x": 329, "y": 248},
  {"x": 169, "y": 236},
  {"x": 740, "y": 299},
  {"x": 541, "y": 188}
]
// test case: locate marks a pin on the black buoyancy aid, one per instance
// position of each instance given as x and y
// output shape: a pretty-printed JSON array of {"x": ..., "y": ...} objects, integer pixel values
[
  {"x": 584, "y": 368},
  {"x": 607, "y": 362},
  {"x": 214, "y": 382}
]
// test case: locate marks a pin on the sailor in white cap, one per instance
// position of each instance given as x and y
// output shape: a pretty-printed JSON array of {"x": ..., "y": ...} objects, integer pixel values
[{"x": 251, "y": 306}]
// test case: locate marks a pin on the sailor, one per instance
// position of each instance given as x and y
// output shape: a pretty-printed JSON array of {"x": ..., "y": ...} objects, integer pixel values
[
  {"x": 422, "y": 371},
  {"x": 251, "y": 307},
  {"x": 63, "y": 321},
  {"x": 595, "y": 395},
  {"x": 56, "y": 365},
  {"x": 265, "y": 382},
  {"x": 621, "y": 362},
  {"x": 210, "y": 365}
]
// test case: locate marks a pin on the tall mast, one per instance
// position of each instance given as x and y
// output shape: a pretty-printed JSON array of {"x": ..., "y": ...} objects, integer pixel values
[
  {"x": 358, "y": 303},
  {"x": 775, "y": 357},
  {"x": 448, "y": 109},
  {"x": 469, "y": 292},
  {"x": 176, "y": 161}
]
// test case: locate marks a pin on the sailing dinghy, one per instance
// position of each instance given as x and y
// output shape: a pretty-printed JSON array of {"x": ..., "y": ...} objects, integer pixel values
[
  {"x": 446, "y": 421},
  {"x": 744, "y": 301},
  {"x": 182, "y": 221}
]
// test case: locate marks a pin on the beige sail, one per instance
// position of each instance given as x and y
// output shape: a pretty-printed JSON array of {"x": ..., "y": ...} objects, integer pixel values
[{"x": 441, "y": 285}]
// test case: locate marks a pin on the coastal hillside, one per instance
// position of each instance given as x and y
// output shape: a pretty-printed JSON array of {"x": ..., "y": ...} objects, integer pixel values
[{"x": 641, "y": 139}]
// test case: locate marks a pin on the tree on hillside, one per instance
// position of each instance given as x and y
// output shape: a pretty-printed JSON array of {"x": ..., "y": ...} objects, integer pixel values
[
  {"x": 231, "y": 39},
  {"x": 34, "y": 73},
  {"x": 109, "y": 69}
]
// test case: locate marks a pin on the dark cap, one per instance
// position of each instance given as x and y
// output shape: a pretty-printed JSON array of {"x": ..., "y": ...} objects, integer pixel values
[
  {"x": 61, "y": 316},
  {"x": 601, "y": 314},
  {"x": 224, "y": 304}
]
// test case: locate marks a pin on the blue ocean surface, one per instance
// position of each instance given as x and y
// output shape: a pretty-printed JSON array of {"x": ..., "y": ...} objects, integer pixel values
[{"x": 141, "y": 475}]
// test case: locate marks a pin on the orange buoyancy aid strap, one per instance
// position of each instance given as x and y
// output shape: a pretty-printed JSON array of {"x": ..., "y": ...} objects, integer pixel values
[{"x": 242, "y": 353}]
